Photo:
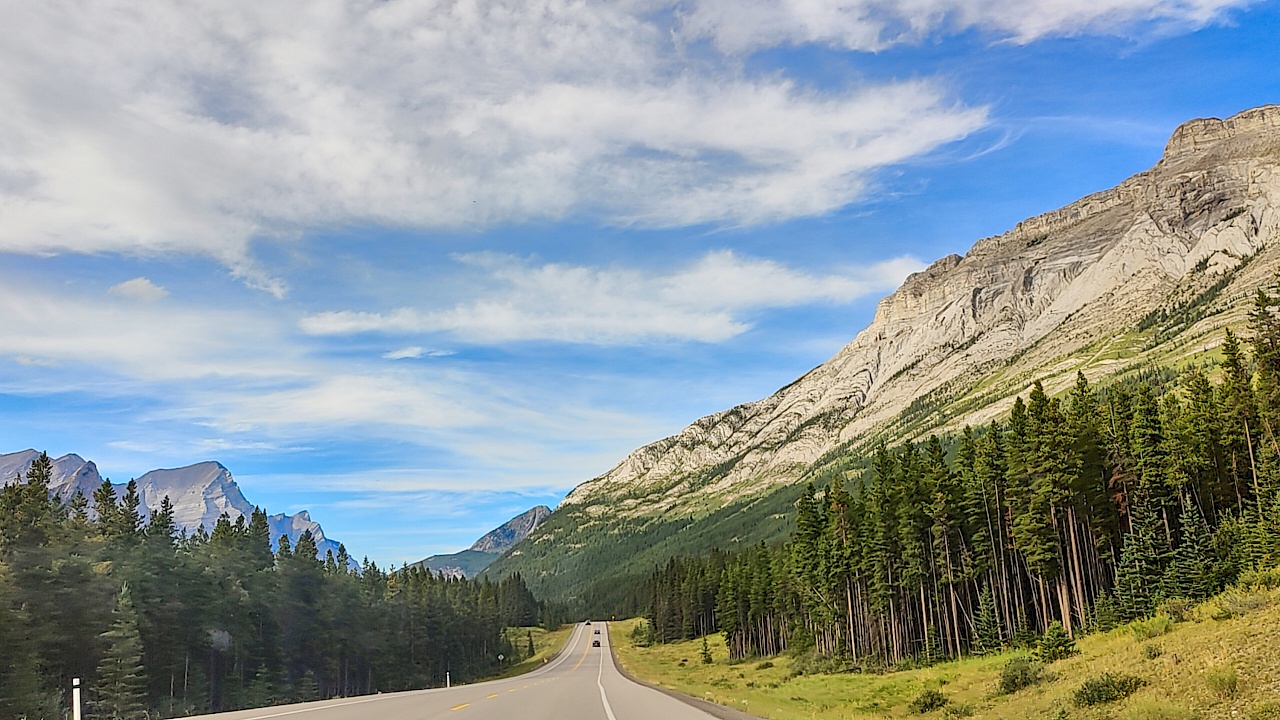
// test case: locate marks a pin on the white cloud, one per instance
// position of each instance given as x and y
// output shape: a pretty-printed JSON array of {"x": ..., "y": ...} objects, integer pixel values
[
  {"x": 139, "y": 288},
  {"x": 200, "y": 126},
  {"x": 407, "y": 353},
  {"x": 705, "y": 301},
  {"x": 739, "y": 26}
]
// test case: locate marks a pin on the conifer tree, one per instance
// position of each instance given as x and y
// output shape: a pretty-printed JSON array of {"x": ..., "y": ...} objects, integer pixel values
[
  {"x": 1190, "y": 573},
  {"x": 987, "y": 637},
  {"x": 121, "y": 679}
]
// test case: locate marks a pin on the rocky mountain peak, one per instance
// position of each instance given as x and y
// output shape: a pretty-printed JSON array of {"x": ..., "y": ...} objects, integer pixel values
[
  {"x": 512, "y": 531},
  {"x": 1060, "y": 292}
]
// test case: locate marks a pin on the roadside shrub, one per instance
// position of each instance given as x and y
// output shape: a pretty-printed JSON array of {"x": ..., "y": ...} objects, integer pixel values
[
  {"x": 1268, "y": 579},
  {"x": 1222, "y": 681},
  {"x": 1152, "y": 627},
  {"x": 1178, "y": 609},
  {"x": 928, "y": 701},
  {"x": 1151, "y": 651},
  {"x": 764, "y": 665},
  {"x": 642, "y": 634},
  {"x": 1236, "y": 602},
  {"x": 1106, "y": 688},
  {"x": 1019, "y": 673},
  {"x": 962, "y": 710}
]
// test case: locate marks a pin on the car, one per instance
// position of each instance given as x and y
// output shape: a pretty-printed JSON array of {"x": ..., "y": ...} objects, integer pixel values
[
  {"x": 588, "y": 622},
  {"x": 595, "y": 643},
  {"x": 597, "y": 631}
]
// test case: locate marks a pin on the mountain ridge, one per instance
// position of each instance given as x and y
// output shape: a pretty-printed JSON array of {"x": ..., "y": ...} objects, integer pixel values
[
  {"x": 1177, "y": 248},
  {"x": 200, "y": 494},
  {"x": 490, "y": 546}
]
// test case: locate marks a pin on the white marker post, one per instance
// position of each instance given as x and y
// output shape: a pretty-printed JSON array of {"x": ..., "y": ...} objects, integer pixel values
[
  {"x": 75, "y": 698},
  {"x": 446, "y": 682}
]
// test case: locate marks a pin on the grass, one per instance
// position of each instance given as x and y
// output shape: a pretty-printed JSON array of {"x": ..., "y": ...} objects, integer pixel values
[
  {"x": 1206, "y": 669},
  {"x": 546, "y": 645}
]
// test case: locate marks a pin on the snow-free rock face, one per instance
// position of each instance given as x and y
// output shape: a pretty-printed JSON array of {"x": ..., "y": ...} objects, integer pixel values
[
  {"x": 294, "y": 526},
  {"x": 200, "y": 493},
  {"x": 473, "y": 560},
  {"x": 512, "y": 531},
  {"x": 1193, "y": 238},
  {"x": 70, "y": 473}
]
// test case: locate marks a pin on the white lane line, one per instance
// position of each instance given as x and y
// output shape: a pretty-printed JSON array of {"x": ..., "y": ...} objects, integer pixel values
[
  {"x": 600, "y": 683},
  {"x": 322, "y": 707},
  {"x": 542, "y": 670}
]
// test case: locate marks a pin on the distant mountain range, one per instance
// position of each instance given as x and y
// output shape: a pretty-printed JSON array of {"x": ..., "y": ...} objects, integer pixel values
[
  {"x": 470, "y": 562},
  {"x": 200, "y": 494},
  {"x": 1143, "y": 275}
]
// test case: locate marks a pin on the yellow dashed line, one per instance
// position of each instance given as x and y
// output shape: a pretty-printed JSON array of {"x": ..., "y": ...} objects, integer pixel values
[
  {"x": 512, "y": 690},
  {"x": 491, "y": 695},
  {"x": 459, "y": 707}
]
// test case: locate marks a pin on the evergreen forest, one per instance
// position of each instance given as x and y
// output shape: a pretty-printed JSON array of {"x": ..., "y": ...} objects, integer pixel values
[
  {"x": 157, "y": 623},
  {"x": 1072, "y": 513}
]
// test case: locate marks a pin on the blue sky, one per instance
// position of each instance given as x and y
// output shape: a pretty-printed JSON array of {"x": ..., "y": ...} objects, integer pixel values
[{"x": 418, "y": 266}]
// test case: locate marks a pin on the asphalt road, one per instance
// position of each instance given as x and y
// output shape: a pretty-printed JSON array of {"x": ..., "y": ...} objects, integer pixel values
[{"x": 582, "y": 683}]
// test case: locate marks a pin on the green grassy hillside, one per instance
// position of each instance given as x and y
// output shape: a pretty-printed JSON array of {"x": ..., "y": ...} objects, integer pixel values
[
  {"x": 1223, "y": 661},
  {"x": 579, "y": 548}
]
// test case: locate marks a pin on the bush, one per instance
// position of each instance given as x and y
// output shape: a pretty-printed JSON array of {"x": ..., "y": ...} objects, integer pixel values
[
  {"x": 962, "y": 710},
  {"x": 1178, "y": 609},
  {"x": 1151, "y": 651},
  {"x": 1152, "y": 627},
  {"x": 1020, "y": 673},
  {"x": 1236, "y": 602},
  {"x": 1055, "y": 644},
  {"x": 1268, "y": 579},
  {"x": 1106, "y": 688},
  {"x": 764, "y": 665},
  {"x": 1222, "y": 681},
  {"x": 928, "y": 701}
]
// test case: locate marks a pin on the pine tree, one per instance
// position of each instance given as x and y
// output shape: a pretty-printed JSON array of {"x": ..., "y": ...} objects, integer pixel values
[
  {"x": 986, "y": 636},
  {"x": 1190, "y": 573},
  {"x": 121, "y": 678},
  {"x": 706, "y": 652}
]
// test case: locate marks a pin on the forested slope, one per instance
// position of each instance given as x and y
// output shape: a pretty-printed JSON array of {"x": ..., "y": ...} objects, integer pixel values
[
  {"x": 1072, "y": 513},
  {"x": 1140, "y": 276}
]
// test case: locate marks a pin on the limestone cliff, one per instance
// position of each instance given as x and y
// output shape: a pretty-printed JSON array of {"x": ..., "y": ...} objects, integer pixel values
[{"x": 1177, "y": 250}]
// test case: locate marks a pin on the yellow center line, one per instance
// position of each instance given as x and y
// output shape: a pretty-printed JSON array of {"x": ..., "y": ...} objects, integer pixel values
[
  {"x": 491, "y": 695},
  {"x": 512, "y": 690},
  {"x": 585, "y": 648},
  {"x": 459, "y": 707}
]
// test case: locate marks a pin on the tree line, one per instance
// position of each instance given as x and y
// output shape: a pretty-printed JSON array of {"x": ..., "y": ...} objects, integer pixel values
[
  {"x": 1079, "y": 511},
  {"x": 159, "y": 623}
]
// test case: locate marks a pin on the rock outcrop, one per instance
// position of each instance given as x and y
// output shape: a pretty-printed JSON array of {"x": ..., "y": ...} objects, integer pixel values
[{"x": 1178, "y": 249}]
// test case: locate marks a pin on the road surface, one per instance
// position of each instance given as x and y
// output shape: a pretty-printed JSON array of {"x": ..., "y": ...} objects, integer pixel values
[{"x": 582, "y": 683}]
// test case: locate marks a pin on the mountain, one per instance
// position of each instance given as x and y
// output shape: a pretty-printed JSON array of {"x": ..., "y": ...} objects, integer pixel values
[
  {"x": 1144, "y": 274},
  {"x": 473, "y": 560},
  {"x": 70, "y": 472},
  {"x": 200, "y": 494},
  {"x": 503, "y": 537}
]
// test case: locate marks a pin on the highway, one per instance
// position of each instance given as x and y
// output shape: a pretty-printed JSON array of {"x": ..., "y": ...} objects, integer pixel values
[{"x": 582, "y": 683}]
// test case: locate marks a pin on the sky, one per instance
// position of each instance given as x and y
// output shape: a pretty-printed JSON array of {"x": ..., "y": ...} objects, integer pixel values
[{"x": 418, "y": 266}]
